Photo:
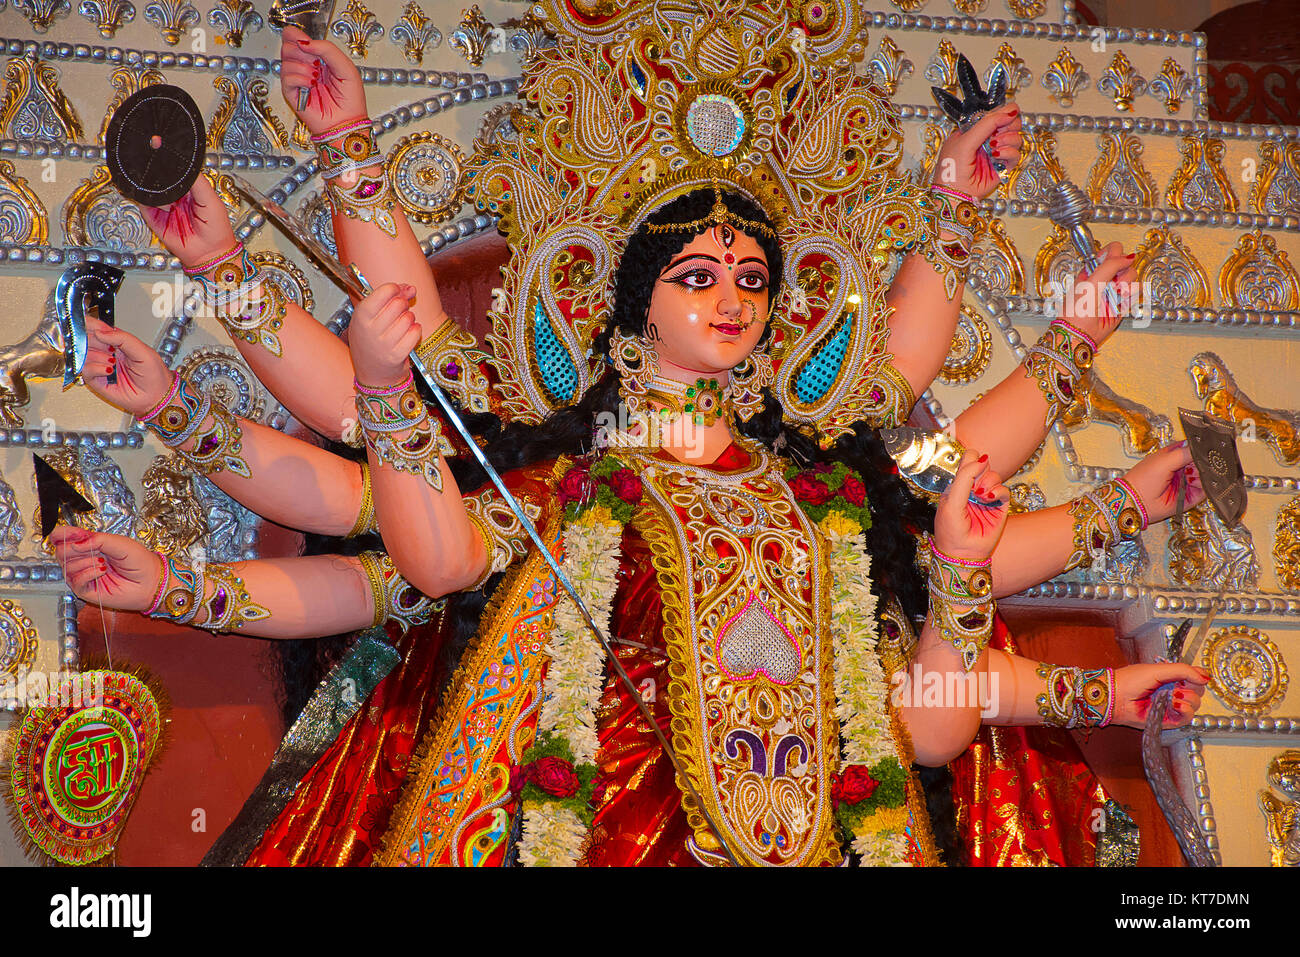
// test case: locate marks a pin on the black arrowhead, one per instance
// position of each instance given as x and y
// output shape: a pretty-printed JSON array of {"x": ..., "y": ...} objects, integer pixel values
[
  {"x": 975, "y": 101},
  {"x": 54, "y": 494}
]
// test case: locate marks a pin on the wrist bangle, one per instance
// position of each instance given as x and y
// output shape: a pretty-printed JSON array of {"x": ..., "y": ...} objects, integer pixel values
[
  {"x": 166, "y": 401},
  {"x": 347, "y": 126},
  {"x": 215, "y": 261},
  {"x": 963, "y": 562},
  {"x": 961, "y": 608},
  {"x": 954, "y": 193},
  {"x": 162, "y": 585},
  {"x": 1137, "y": 500},
  {"x": 386, "y": 390},
  {"x": 1076, "y": 697}
]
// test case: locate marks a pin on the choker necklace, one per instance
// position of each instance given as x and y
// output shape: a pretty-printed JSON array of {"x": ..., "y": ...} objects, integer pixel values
[{"x": 703, "y": 402}]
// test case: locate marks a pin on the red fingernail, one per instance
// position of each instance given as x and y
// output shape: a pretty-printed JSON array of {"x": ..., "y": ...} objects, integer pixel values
[
  {"x": 303, "y": 43},
  {"x": 984, "y": 458},
  {"x": 1015, "y": 112}
]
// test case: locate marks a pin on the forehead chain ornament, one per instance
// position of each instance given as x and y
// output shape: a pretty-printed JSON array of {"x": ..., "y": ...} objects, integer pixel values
[{"x": 718, "y": 216}]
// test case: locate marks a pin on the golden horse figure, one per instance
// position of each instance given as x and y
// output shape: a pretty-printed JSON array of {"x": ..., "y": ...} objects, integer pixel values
[{"x": 702, "y": 201}]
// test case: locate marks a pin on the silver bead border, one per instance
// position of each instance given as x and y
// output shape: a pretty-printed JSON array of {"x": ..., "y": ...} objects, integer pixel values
[{"x": 1142, "y": 124}]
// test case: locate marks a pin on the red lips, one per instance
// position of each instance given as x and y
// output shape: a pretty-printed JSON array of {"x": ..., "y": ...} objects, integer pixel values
[{"x": 729, "y": 328}]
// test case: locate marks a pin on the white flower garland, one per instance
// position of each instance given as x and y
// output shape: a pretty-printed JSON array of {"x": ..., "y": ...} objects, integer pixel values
[
  {"x": 553, "y": 835},
  {"x": 861, "y": 692}
]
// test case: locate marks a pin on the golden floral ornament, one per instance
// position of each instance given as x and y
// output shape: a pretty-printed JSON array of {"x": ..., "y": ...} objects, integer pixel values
[
  {"x": 357, "y": 26},
  {"x": 889, "y": 64},
  {"x": 108, "y": 16},
  {"x": 1282, "y": 814},
  {"x": 23, "y": 219},
  {"x": 1200, "y": 185},
  {"x": 172, "y": 18},
  {"x": 1286, "y": 545},
  {"x": 1258, "y": 275},
  {"x": 1171, "y": 85},
  {"x": 1027, "y": 9},
  {"x": 942, "y": 69},
  {"x": 42, "y": 13},
  {"x": 1175, "y": 276},
  {"x": 995, "y": 262},
  {"x": 1056, "y": 262},
  {"x": 1030, "y": 180},
  {"x": 1119, "y": 177},
  {"x": 237, "y": 17},
  {"x": 1065, "y": 78},
  {"x": 471, "y": 38},
  {"x": 19, "y": 642},
  {"x": 427, "y": 173},
  {"x": 244, "y": 121},
  {"x": 34, "y": 106},
  {"x": 1013, "y": 68},
  {"x": 1247, "y": 671},
  {"x": 630, "y": 110},
  {"x": 971, "y": 350},
  {"x": 127, "y": 80},
  {"x": 414, "y": 31},
  {"x": 1276, "y": 189},
  {"x": 94, "y": 215},
  {"x": 1121, "y": 82}
]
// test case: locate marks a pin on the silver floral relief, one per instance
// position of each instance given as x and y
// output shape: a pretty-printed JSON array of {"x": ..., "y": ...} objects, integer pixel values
[
  {"x": 246, "y": 126},
  {"x": 889, "y": 65},
  {"x": 1204, "y": 553},
  {"x": 1259, "y": 275},
  {"x": 1171, "y": 85},
  {"x": 357, "y": 26},
  {"x": 527, "y": 35},
  {"x": 1065, "y": 78},
  {"x": 1282, "y": 197},
  {"x": 1202, "y": 192},
  {"x": 218, "y": 371},
  {"x": 11, "y": 522},
  {"x": 1032, "y": 181},
  {"x": 16, "y": 220},
  {"x": 1013, "y": 68},
  {"x": 108, "y": 16},
  {"x": 172, "y": 18},
  {"x": 113, "y": 224},
  {"x": 99, "y": 479},
  {"x": 1127, "y": 183},
  {"x": 36, "y": 117},
  {"x": 232, "y": 529}
]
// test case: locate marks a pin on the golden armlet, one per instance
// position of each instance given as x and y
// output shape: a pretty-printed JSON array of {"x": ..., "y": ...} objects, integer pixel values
[
  {"x": 961, "y": 603},
  {"x": 183, "y": 596},
  {"x": 246, "y": 302},
  {"x": 366, "y": 521},
  {"x": 185, "y": 414},
  {"x": 452, "y": 355},
  {"x": 386, "y": 414},
  {"x": 1058, "y": 360},
  {"x": 1108, "y": 514},
  {"x": 1076, "y": 697},
  {"x": 395, "y": 599}
]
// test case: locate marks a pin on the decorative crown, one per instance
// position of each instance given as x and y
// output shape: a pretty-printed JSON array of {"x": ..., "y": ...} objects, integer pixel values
[{"x": 637, "y": 105}]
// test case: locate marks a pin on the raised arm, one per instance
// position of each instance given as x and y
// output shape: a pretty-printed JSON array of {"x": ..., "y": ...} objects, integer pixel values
[
  {"x": 284, "y": 479},
  {"x": 370, "y": 228},
  {"x": 926, "y": 292},
  {"x": 304, "y": 365},
  {"x": 269, "y": 598}
]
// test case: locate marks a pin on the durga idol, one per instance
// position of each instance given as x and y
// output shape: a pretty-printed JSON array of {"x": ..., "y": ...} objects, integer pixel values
[{"x": 697, "y": 339}]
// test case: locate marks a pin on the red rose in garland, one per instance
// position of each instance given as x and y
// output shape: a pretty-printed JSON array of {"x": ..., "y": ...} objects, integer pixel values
[
  {"x": 626, "y": 484},
  {"x": 853, "y": 786},
  {"x": 853, "y": 491},
  {"x": 556, "y": 777},
  {"x": 577, "y": 486},
  {"x": 810, "y": 490}
]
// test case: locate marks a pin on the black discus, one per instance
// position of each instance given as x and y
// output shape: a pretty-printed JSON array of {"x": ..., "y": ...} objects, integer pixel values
[{"x": 155, "y": 145}]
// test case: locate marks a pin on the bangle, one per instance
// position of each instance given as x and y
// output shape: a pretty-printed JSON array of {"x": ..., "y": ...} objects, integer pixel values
[
  {"x": 383, "y": 415},
  {"x": 166, "y": 401},
  {"x": 216, "y": 260},
  {"x": 229, "y": 607},
  {"x": 1076, "y": 697},
  {"x": 369, "y": 200},
  {"x": 246, "y": 303},
  {"x": 453, "y": 358},
  {"x": 353, "y": 148},
  {"x": 1137, "y": 501},
  {"x": 366, "y": 517},
  {"x": 182, "y": 417},
  {"x": 954, "y": 193},
  {"x": 347, "y": 126},
  {"x": 386, "y": 390},
  {"x": 162, "y": 585},
  {"x": 890, "y": 398}
]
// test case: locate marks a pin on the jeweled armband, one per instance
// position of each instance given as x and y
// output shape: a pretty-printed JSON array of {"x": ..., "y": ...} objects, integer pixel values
[
  {"x": 366, "y": 521},
  {"x": 395, "y": 599},
  {"x": 1060, "y": 357},
  {"x": 452, "y": 355},
  {"x": 183, "y": 597},
  {"x": 956, "y": 213},
  {"x": 1076, "y": 697},
  {"x": 961, "y": 603},
  {"x": 369, "y": 200},
  {"x": 346, "y": 148},
  {"x": 398, "y": 430},
  {"x": 186, "y": 414},
  {"x": 891, "y": 398},
  {"x": 1108, "y": 514},
  {"x": 246, "y": 302}
]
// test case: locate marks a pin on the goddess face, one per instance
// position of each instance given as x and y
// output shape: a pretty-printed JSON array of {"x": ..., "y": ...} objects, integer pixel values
[{"x": 709, "y": 305}]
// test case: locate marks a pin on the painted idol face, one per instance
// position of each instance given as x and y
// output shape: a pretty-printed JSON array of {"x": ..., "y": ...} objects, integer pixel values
[{"x": 709, "y": 305}]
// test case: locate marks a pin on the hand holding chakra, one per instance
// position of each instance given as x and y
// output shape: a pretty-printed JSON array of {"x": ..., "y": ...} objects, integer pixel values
[
  {"x": 107, "y": 569},
  {"x": 963, "y": 166},
  {"x": 334, "y": 92},
  {"x": 142, "y": 378},
  {"x": 196, "y": 228}
]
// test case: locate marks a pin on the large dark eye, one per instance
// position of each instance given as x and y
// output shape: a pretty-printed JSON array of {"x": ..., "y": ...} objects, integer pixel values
[
  {"x": 696, "y": 279},
  {"x": 753, "y": 281}
]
